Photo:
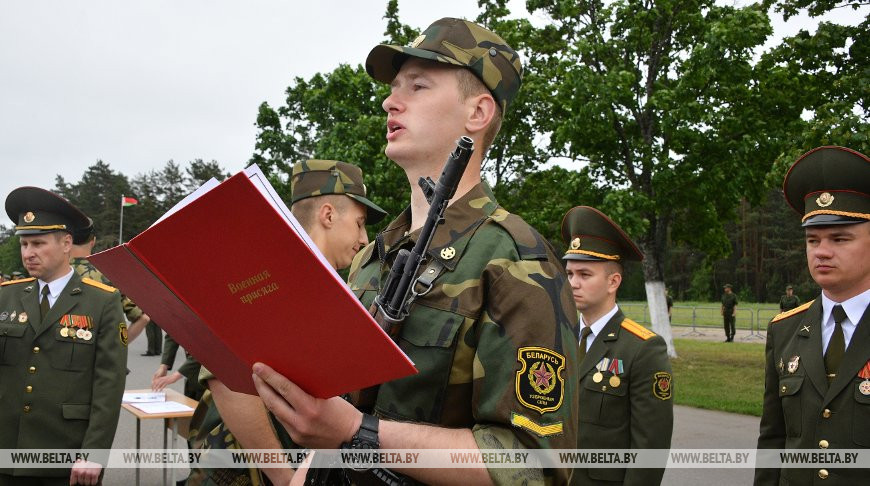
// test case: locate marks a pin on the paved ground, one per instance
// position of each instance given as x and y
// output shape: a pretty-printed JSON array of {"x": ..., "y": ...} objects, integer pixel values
[{"x": 693, "y": 428}]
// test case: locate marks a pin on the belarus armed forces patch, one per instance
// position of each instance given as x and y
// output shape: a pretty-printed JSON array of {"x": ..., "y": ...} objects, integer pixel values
[
  {"x": 540, "y": 384},
  {"x": 662, "y": 385},
  {"x": 122, "y": 333}
]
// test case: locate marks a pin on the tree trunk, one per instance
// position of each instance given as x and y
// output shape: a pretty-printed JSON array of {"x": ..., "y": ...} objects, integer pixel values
[{"x": 654, "y": 282}]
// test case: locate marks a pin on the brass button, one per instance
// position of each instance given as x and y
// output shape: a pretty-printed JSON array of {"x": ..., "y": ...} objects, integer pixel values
[
  {"x": 823, "y": 444},
  {"x": 823, "y": 474},
  {"x": 32, "y": 369},
  {"x": 826, "y": 413},
  {"x": 27, "y": 409},
  {"x": 784, "y": 388},
  {"x": 35, "y": 349},
  {"x": 29, "y": 389}
]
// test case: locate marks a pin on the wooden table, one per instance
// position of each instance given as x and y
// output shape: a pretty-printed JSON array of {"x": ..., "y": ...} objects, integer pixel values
[{"x": 175, "y": 421}]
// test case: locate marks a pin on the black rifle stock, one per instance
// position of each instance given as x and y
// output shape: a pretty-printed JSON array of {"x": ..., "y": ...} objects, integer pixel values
[{"x": 392, "y": 304}]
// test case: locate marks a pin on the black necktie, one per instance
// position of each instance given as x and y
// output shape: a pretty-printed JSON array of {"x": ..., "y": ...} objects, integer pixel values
[
  {"x": 43, "y": 304},
  {"x": 584, "y": 335},
  {"x": 837, "y": 344}
]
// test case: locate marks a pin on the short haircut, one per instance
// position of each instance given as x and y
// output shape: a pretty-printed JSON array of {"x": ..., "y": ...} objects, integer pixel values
[
  {"x": 470, "y": 85},
  {"x": 305, "y": 210},
  {"x": 615, "y": 267}
]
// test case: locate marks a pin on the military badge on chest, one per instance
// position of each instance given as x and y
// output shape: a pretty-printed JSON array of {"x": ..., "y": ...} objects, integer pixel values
[
  {"x": 864, "y": 386},
  {"x": 793, "y": 364},
  {"x": 539, "y": 382},
  {"x": 76, "y": 327}
]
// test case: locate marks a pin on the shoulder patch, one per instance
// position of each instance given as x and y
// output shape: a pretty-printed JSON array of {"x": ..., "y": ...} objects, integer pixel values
[
  {"x": 13, "y": 282},
  {"x": 99, "y": 285},
  {"x": 789, "y": 313},
  {"x": 637, "y": 329},
  {"x": 540, "y": 382}
]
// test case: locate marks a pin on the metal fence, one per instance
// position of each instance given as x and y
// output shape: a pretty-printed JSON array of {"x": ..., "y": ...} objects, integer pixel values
[{"x": 701, "y": 320}]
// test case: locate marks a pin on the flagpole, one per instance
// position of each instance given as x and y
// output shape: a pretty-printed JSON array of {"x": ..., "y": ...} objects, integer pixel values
[{"x": 121, "y": 228}]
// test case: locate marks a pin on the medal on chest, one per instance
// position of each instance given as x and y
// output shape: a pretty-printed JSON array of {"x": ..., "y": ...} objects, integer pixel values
[{"x": 864, "y": 386}]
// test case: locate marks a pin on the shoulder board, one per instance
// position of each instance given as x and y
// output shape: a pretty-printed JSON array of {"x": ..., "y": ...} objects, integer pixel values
[
  {"x": 789, "y": 313},
  {"x": 530, "y": 244},
  {"x": 637, "y": 329},
  {"x": 21, "y": 280},
  {"x": 99, "y": 285}
]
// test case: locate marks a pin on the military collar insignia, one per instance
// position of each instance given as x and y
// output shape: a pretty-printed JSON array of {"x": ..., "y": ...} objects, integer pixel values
[
  {"x": 76, "y": 291},
  {"x": 793, "y": 364},
  {"x": 29, "y": 288},
  {"x": 805, "y": 329}
]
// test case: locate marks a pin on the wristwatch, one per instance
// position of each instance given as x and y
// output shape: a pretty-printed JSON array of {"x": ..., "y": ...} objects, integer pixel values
[{"x": 366, "y": 438}]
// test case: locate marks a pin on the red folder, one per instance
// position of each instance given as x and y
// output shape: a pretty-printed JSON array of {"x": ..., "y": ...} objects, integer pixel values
[{"x": 230, "y": 279}]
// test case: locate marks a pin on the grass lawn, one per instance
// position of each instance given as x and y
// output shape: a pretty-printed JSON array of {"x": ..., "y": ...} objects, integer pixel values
[{"x": 719, "y": 376}]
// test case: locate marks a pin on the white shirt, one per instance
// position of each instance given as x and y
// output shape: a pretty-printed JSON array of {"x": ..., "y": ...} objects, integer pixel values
[
  {"x": 854, "y": 308},
  {"x": 55, "y": 287},
  {"x": 598, "y": 325}
]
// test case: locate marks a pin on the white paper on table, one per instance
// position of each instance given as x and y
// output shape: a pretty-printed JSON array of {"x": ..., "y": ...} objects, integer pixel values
[
  {"x": 143, "y": 397},
  {"x": 162, "y": 407}
]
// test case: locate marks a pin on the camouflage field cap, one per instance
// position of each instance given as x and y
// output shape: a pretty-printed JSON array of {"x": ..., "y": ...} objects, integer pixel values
[
  {"x": 37, "y": 211},
  {"x": 829, "y": 185},
  {"x": 591, "y": 235},
  {"x": 789, "y": 287},
  {"x": 459, "y": 43},
  {"x": 320, "y": 177},
  {"x": 727, "y": 286}
]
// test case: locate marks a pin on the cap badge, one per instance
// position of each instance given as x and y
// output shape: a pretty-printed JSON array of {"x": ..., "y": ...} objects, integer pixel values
[
  {"x": 575, "y": 244},
  {"x": 825, "y": 199},
  {"x": 29, "y": 217},
  {"x": 419, "y": 40}
]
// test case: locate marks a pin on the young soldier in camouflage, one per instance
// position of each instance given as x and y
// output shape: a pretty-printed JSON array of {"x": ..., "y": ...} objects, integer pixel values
[
  {"x": 84, "y": 240},
  {"x": 817, "y": 357},
  {"x": 493, "y": 337},
  {"x": 329, "y": 201}
]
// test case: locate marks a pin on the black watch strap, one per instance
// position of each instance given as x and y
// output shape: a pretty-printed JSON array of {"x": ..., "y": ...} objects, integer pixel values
[{"x": 367, "y": 435}]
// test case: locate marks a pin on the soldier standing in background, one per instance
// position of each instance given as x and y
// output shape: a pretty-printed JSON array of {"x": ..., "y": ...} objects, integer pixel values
[
  {"x": 84, "y": 240},
  {"x": 729, "y": 311},
  {"x": 789, "y": 301},
  {"x": 626, "y": 390},
  {"x": 817, "y": 357}
]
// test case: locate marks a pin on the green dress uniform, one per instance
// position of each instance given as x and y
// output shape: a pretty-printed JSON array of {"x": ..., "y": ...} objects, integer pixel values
[
  {"x": 87, "y": 270},
  {"x": 493, "y": 338},
  {"x": 626, "y": 385},
  {"x": 806, "y": 404},
  {"x": 60, "y": 392}
]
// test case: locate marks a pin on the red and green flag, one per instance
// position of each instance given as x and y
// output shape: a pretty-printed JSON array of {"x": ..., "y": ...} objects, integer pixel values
[{"x": 128, "y": 201}]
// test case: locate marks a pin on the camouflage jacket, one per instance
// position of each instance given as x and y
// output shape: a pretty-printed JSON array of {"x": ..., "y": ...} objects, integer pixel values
[
  {"x": 86, "y": 270},
  {"x": 493, "y": 340}
]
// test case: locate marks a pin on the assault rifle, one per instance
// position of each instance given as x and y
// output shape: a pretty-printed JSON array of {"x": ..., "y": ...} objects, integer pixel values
[{"x": 391, "y": 305}]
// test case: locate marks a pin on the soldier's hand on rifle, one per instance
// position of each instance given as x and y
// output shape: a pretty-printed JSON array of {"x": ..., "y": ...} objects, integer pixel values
[{"x": 311, "y": 422}]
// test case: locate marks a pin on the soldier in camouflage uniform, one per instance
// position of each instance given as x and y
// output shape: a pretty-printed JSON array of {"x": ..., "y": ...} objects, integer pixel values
[
  {"x": 789, "y": 301},
  {"x": 189, "y": 370},
  {"x": 626, "y": 391},
  {"x": 63, "y": 346},
  {"x": 84, "y": 240},
  {"x": 329, "y": 201},
  {"x": 493, "y": 334}
]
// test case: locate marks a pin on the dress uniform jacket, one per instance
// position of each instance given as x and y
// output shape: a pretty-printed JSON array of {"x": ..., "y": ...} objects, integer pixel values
[
  {"x": 60, "y": 392},
  {"x": 800, "y": 410},
  {"x": 636, "y": 414},
  {"x": 493, "y": 338}
]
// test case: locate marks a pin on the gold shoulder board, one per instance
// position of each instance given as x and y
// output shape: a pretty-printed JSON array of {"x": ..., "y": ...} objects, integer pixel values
[
  {"x": 789, "y": 313},
  {"x": 99, "y": 285},
  {"x": 22, "y": 280},
  {"x": 637, "y": 329}
]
